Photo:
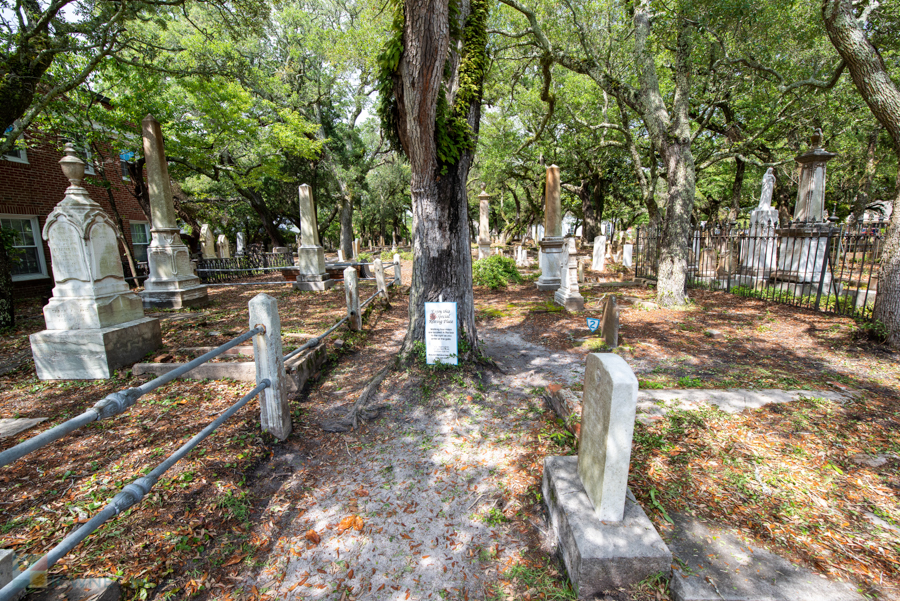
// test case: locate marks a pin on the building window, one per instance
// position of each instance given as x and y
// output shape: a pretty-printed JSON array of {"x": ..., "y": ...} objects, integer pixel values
[
  {"x": 140, "y": 240},
  {"x": 83, "y": 151},
  {"x": 28, "y": 252},
  {"x": 16, "y": 155},
  {"x": 125, "y": 157}
]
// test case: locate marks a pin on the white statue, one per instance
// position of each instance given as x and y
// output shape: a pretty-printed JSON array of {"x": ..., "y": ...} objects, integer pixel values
[{"x": 765, "y": 198}]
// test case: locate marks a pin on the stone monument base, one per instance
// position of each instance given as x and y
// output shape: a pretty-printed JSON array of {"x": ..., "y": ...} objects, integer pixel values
[
  {"x": 93, "y": 354},
  {"x": 599, "y": 556},
  {"x": 315, "y": 283},
  {"x": 569, "y": 301},
  {"x": 155, "y": 298}
]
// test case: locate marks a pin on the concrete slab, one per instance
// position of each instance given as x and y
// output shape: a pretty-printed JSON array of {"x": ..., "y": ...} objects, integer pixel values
[
  {"x": 298, "y": 369},
  {"x": 599, "y": 556},
  {"x": 712, "y": 564},
  {"x": 12, "y": 426},
  {"x": 653, "y": 404},
  {"x": 83, "y": 589}
]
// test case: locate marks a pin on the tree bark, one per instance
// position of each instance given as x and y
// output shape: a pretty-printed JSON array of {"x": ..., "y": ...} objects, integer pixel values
[
  {"x": 671, "y": 135},
  {"x": 737, "y": 185},
  {"x": 871, "y": 77},
  {"x": 442, "y": 265},
  {"x": 346, "y": 226}
]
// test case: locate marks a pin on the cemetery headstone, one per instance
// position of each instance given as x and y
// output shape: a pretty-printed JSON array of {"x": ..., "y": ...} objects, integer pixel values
[
  {"x": 224, "y": 247},
  {"x": 567, "y": 294},
  {"x": 207, "y": 242},
  {"x": 609, "y": 327},
  {"x": 599, "y": 256},
  {"x": 802, "y": 260},
  {"x": 241, "y": 245},
  {"x": 172, "y": 284},
  {"x": 606, "y": 540},
  {"x": 95, "y": 324},
  {"x": 380, "y": 283},
  {"x": 397, "y": 269},
  {"x": 552, "y": 242},
  {"x": 340, "y": 256},
  {"x": 627, "y": 253},
  {"x": 310, "y": 256}
]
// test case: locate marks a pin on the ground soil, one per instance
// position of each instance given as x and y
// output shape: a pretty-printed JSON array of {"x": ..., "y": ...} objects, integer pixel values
[{"x": 439, "y": 495}]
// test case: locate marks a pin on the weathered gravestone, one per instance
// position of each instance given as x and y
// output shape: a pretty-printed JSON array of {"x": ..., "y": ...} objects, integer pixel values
[
  {"x": 95, "y": 324},
  {"x": 241, "y": 245},
  {"x": 709, "y": 262},
  {"x": 567, "y": 294},
  {"x": 207, "y": 242},
  {"x": 599, "y": 257},
  {"x": 172, "y": 283},
  {"x": 484, "y": 226},
  {"x": 605, "y": 538},
  {"x": 311, "y": 255},
  {"x": 609, "y": 324},
  {"x": 552, "y": 242},
  {"x": 224, "y": 247}
]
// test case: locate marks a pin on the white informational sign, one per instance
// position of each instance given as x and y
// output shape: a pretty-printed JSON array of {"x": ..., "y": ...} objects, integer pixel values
[{"x": 440, "y": 333}]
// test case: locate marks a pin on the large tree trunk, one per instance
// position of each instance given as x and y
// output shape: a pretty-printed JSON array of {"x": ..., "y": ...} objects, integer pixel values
[
  {"x": 442, "y": 265},
  {"x": 736, "y": 186},
  {"x": 346, "y": 226},
  {"x": 265, "y": 215},
  {"x": 878, "y": 91},
  {"x": 671, "y": 135}
]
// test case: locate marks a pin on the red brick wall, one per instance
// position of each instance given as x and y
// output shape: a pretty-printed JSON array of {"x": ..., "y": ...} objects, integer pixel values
[{"x": 36, "y": 187}]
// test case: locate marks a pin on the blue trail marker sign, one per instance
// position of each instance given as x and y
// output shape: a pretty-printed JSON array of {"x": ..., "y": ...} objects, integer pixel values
[{"x": 593, "y": 323}]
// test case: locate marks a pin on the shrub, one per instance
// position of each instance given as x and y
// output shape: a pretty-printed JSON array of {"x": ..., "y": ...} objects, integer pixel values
[
  {"x": 388, "y": 256},
  {"x": 364, "y": 257},
  {"x": 495, "y": 272}
]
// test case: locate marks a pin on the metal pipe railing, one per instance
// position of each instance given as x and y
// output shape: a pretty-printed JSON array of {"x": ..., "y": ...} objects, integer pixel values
[
  {"x": 115, "y": 403},
  {"x": 314, "y": 342},
  {"x": 130, "y": 495}
]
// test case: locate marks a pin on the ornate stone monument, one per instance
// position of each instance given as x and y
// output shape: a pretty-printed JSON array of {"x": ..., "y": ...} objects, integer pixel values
[
  {"x": 758, "y": 250},
  {"x": 802, "y": 256},
  {"x": 606, "y": 540},
  {"x": 552, "y": 243},
  {"x": 484, "y": 227},
  {"x": 207, "y": 242},
  {"x": 95, "y": 324},
  {"x": 172, "y": 283},
  {"x": 567, "y": 294},
  {"x": 310, "y": 256},
  {"x": 224, "y": 247}
]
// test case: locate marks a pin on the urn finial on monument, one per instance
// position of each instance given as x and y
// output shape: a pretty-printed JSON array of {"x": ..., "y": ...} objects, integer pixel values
[{"x": 72, "y": 166}]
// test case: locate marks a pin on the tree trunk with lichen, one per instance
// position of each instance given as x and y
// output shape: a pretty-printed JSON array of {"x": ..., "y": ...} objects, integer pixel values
[
  {"x": 438, "y": 86},
  {"x": 7, "y": 307},
  {"x": 871, "y": 77}
]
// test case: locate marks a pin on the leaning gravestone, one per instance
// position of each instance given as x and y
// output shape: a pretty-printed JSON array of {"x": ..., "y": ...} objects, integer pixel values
[
  {"x": 95, "y": 324},
  {"x": 609, "y": 324},
  {"x": 606, "y": 540}
]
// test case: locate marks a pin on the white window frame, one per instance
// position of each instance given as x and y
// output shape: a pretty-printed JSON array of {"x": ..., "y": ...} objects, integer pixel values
[
  {"x": 132, "y": 222},
  {"x": 42, "y": 262},
  {"x": 22, "y": 157}
]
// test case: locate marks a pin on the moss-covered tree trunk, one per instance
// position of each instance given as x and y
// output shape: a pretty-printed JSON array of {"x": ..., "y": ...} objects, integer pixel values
[{"x": 437, "y": 87}]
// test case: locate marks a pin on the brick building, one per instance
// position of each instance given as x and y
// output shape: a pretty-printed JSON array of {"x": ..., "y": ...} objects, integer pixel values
[{"x": 32, "y": 183}]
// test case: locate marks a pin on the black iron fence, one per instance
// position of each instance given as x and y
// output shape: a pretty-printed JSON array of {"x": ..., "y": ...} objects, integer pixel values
[
  {"x": 235, "y": 268},
  {"x": 819, "y": 266}
]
